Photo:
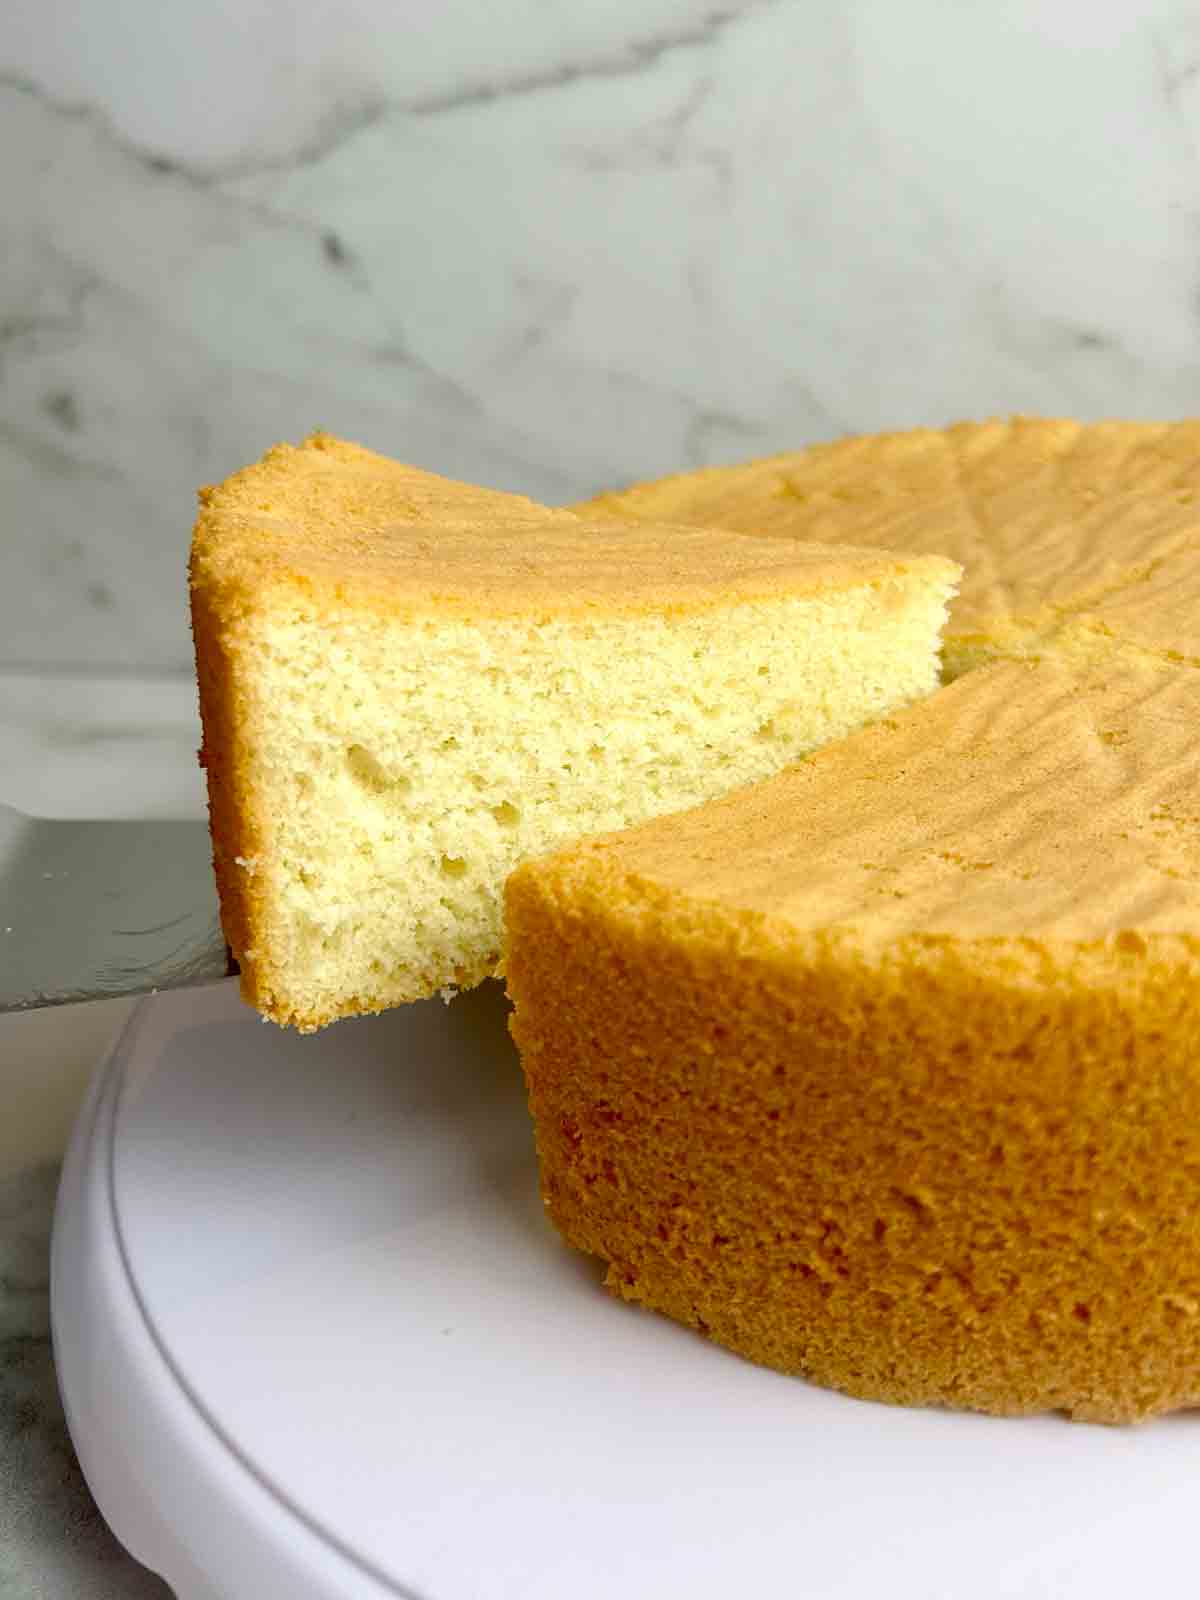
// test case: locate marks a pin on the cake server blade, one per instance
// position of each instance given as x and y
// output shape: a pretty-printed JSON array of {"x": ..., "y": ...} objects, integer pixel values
[{"x": 89, "y": 910}]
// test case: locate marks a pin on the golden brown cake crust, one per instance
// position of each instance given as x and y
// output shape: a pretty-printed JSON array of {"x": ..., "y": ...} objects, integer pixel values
[
  {"x": 885, "y": 1071},
  {"x": 232, "y": 814},
  {"x": 337, "y": 527},
  {"x": 919, "y": 1179},
  {"x": 1047, "y": 517},
  {"x": 916, "y": 1024}
]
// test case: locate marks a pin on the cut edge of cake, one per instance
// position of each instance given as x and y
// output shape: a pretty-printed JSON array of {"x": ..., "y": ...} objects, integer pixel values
[{"x": 345, "y": 718}]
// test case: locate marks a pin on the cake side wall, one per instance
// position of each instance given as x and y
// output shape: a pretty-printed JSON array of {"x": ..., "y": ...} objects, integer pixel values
[
  {"x": 232, "y": 806},
  {"x": 927, "y": 1181}
]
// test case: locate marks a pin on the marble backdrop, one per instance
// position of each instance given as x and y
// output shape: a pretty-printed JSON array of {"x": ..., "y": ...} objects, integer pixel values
[{"x": 554, "y": 246}]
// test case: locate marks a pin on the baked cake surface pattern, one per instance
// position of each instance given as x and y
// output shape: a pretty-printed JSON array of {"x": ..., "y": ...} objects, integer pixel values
[{"x": 1048, "y": 518}]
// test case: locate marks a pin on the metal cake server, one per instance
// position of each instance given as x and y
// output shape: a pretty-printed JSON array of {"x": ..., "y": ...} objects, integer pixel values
[{"x": 89, "y": 910}]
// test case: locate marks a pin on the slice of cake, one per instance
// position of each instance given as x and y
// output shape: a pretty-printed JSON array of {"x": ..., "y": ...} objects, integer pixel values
[
  {"x": 1048, "y": 518},
  {"x": 407, "y": 686},
  {"x": 886, "y": 1071}
]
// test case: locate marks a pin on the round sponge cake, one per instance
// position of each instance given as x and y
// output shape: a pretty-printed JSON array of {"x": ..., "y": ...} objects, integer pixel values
[{"x": 887, "y": 1071}]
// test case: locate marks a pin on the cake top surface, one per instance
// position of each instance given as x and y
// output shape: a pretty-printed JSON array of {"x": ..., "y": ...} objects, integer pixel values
[
  {"x": 328, "y": 481},
  {"x": 1025, "y": 801},
  {"x": 1158, "y": 611},
  {"x": 1045, "y": 516},
  {"x": 332, "y": 524}
]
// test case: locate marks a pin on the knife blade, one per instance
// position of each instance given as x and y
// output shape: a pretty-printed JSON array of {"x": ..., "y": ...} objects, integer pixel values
[{"x": 90, "y": 910}]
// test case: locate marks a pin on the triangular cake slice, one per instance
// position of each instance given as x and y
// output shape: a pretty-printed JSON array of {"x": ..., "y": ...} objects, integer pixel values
[
  {"x": 1049, "y": 518},
  {"x": 885, "y": 1071},
  {"x": 408, "y": 686}
]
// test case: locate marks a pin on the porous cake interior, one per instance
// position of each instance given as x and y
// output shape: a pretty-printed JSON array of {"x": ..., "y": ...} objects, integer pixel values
[{"x": 393, "y": 769}]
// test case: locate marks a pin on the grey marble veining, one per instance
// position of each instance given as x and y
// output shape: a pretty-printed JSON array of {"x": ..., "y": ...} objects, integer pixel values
[{"x": 552, "y": 249}]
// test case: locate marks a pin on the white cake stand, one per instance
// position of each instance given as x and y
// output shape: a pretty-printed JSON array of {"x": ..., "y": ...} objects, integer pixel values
[{"x": 315, "y": 1339}]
